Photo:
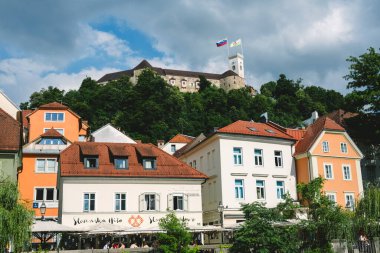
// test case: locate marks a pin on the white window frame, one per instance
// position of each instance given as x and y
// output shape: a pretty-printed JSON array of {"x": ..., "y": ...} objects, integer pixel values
[
  {"x": 239, "y": 189},
  {"x": 331, "y": 194},
  {"x": 237, "y": 156},
  {"x": 152, "y": 161},
  {"x": 121, "y": 158},
  {"x": 343, "y": 147},
  {"x": 259, "y": 157},
  {"x": 278, "y": 158},
  {"x": 346, "y": 200},
  {"x": 183, "y": 83},
  {"x": 155, "y": 200},
  {"x": 325, "y": 147},
  {"x": 173, "y": 148},
  {"x": 46, "y": 165},
  {"x": 262, "y": 188},
  {"x": 332, "y": 171},
  {"x": 55, "y": 194},
  {"x": 120, "y": 199},
  {"x": 45, "y": 120},
  {"x": 172, "y": 81},
  {"x": 183, "y": 201},
  {"x": 280, "y": 189},
  {"x": 89, "y": 202},
  {"x": 90, "y": 157},
  {"x": 59, "y": 130},
  {"x": 349, "y": 172}
]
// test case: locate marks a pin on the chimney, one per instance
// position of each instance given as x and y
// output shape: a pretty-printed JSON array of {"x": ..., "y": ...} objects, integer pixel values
[
  {"x": 264, "y": 117},
  {"x": 215, "y": 129},
  {"x": 160, "y": 143},
  {"x": 314, "y": 116}
]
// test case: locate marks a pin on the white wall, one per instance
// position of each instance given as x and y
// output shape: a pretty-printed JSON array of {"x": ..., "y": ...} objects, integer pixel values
[
  {"x": 110, "y": 134},
  {"x": 7, "y": 105},
  {"x": 168, "y": 147},
  {"x": 72, "y": 190}
]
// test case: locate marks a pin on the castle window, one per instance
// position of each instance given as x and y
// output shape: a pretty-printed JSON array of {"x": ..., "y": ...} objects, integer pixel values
[
  {"x": 183, "y": 83},
  {"x": 172, "y": 81},
  {"x": 197, "y": 84}
]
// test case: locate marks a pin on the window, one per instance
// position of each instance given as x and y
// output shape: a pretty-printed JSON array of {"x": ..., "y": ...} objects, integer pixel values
[
  {"x": 325, "y": 146},
  {"x": 237, "y": 156},
  {"x": 278, "y": 158},
  {"x": 172, "y": 148},
  {"x": 194, "y": 164},
  {"x": 150, "y": 202},
  {"x": 280, "y": 187},
  {"x": 331, "y": 196},
  {"x": 183, "y": 83},
  {"x": 178, "y": 202},
  {"x": 45, "y": 194},
  {"x": 91, "y": 162},
  {"x": 343, "y": 147},
  {"x": 260, "y": 189},
  {"x": 120, "y": 202},
  {"x": 149, "y": 163},
  {"x": 172, "y": 81},
  {"x": 46, "y": 165},
  {"x": 54, "y": 116},
  {"x": 51, "y": 141},
  {"x": 239, "y": 188},
  {"x": 121, "y": 163},
  {"x": 258, "y": 157},
  {"x": 346, "y": 172},
  {"x": 88, "y": 202},
  {"x": 329, "y": 171},
  {"x": 349, "y": 201},
  {"x": 197, "y": 84},
  {"x": 270, "y": 131}
]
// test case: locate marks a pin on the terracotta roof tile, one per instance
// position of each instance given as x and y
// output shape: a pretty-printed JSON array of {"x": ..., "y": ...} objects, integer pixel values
[
  {"x": 181, "y": 138},
  {"x": 9, "y": 132},
  {"x": 71, "y": 162},
  {"x": 52, "y": 133},
  {"x": 54, "y": 105},
  {"x": 313, "y": 131},
  {"x": 254, "y": 129},
  {"x": 339, "y": 116}
]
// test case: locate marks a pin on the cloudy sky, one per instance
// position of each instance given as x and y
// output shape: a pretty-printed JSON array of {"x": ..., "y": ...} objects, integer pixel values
[{"x": 61, "y": 42}]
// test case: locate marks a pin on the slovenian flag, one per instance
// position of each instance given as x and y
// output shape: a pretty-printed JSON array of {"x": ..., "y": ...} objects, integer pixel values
[
  {"x": 236, "y": 43},
  {"x": 221, "y": 43}
]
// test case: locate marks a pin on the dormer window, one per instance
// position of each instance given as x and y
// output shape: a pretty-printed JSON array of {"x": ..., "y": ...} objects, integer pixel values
[
  {"x": 149, "y": 163},
  {"x": 121, "y": 163},
  {"x": 51, "y": 141},
  {"x": 91, "y": 162},
  {"x": 270, "y": 131}
]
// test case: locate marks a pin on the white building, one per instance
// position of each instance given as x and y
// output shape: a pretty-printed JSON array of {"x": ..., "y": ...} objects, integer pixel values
[
  {"x": 126, "y": 185},
  {"x": 245, "y": 162},
  {"x": 175, "y": 143},
  {"x": 108, "y": 133},
  {"x": 8, "y": 105}
]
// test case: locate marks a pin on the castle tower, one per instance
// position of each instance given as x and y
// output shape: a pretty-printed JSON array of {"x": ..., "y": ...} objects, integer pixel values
[{"x": 237, "y": 64}]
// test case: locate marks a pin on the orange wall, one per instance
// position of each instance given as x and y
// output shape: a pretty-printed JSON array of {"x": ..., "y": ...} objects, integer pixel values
[
  {"x": 334, "y": 140},
  {"x": 302, "y": 168},
  {"x": 338, "y": 184},
  {"x": 70, "y": 124},
  {"x": 28, "y": 180}
]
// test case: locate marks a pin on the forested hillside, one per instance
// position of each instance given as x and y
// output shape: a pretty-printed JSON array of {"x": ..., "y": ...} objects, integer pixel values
[{"x": 153, "y": 110}]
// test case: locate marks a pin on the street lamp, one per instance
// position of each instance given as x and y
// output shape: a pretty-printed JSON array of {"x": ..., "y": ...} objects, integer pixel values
[
  {"x": 43, "y": 210},
  {"x": 220, "y": 210}
]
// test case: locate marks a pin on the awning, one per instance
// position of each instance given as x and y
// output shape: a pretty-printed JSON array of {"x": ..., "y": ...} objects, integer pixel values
[{"x": 51, "y": 226}]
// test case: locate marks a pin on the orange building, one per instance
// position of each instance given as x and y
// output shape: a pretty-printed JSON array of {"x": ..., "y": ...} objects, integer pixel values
[
  {"x": 325, "y": 149},
  {"x": 50, "y": 129}
]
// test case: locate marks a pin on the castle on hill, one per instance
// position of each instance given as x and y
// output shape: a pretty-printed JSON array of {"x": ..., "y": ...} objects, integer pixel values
[{"x": 188, "y": 81}]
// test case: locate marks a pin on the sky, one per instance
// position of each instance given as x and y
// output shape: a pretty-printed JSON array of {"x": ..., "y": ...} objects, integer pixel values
[{"x": 59, "y": 43}]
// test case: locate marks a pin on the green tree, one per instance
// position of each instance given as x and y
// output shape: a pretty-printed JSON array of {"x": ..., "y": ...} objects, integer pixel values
[
  {"x": 367, "y": 213},
  {"x": 364, "y": 78},
  {"x": 262, "y": 232},
  {"x": 326, "y": 221},
  {"x": 177, "y": 237},
  {"x": 44, "y": 96},
  {"x": 15, "y": 218}
]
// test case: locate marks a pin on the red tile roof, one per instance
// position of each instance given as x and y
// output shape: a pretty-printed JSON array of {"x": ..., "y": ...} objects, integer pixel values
[
  {"x": 54, "y": 105},
  {"x": 71, "y": 161},
  {"x": 313, "y": 131},
  {"x": 9, "y": 132},
  {"x": 339, "y": 116},
  {"x": 296, "y": 133},
  {"x": 25, "y": 122},
  {"x": 52, "y": 133},
  {"x": 254, "y": 129},
  {"x": 181, "y": 138}
]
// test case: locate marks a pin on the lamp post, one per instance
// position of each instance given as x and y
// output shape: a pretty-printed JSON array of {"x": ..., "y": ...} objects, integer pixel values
[
  {"x": 43, "y": 210},
  {"x": 220, "y": 210}
]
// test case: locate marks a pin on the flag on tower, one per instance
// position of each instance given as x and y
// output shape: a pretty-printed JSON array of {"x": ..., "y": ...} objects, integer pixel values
[
  {"x": 236, "y": 43},
  {"x": 221, "y": 43}
]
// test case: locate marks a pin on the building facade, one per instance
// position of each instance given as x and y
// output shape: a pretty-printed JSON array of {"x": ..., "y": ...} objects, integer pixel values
[
  {"x": 8, "y": 105},
  {"x": 186, "y": 81},
  {"x": 10, "y": 146},
  {"x": 245, "y": 162},
  {"x": 109, "y": 133},
  {"x": 130, "y": 186},
  {"x": 326, "y": 150},
  {"x": 175, "y": 143}
]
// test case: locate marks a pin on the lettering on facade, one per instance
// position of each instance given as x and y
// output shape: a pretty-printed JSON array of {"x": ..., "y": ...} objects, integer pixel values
[{"x": 78, "y": 221}]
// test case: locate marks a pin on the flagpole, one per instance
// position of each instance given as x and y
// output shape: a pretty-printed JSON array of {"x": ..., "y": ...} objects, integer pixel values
[{"x": 241, "y": 46}]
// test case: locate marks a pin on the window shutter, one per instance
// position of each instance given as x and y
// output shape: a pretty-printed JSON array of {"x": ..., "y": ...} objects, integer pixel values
[
  {"x": 142, "y": 206},
  {"x": 185, "y": 202},
  {"x": 157, "y": 202},
  {"x": 170, "y": 201}
]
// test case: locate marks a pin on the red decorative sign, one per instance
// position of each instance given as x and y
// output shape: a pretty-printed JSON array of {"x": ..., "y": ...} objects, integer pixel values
[{"x": 135, "y": 221}]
